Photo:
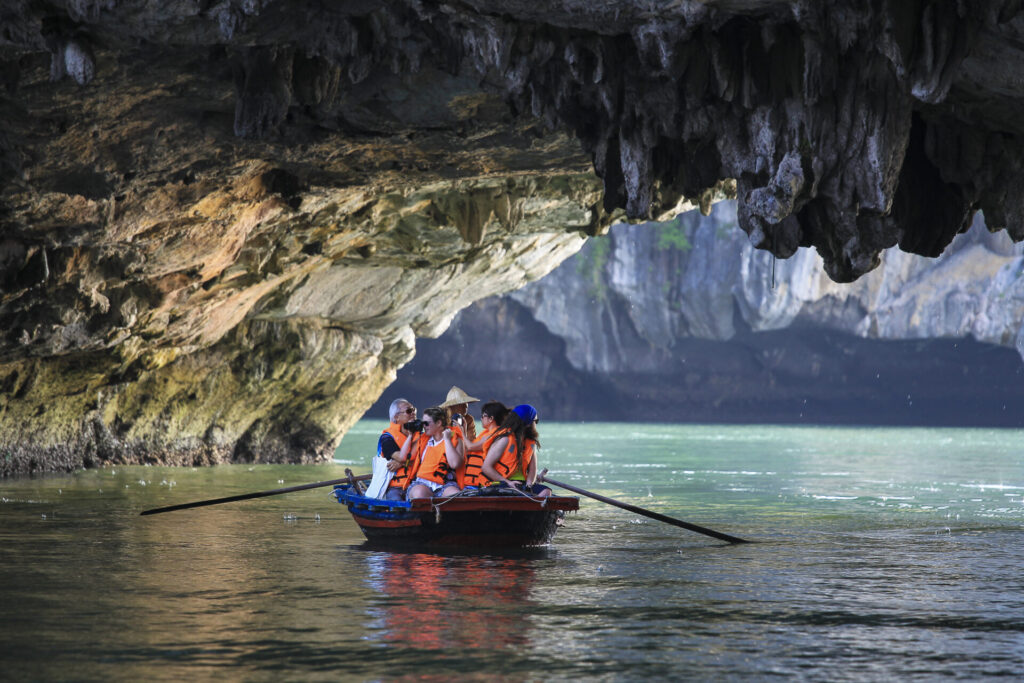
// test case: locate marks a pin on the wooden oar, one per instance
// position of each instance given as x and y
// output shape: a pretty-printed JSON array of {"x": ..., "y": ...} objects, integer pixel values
[
  {"x": 641, "y": 511},
  {"x": 258, "y": 494}
]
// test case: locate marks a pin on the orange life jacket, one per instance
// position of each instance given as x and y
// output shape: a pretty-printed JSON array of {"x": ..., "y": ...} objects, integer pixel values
[
  {"x": 433, "y": 462},
  {"x": 407, "y": 471},
  {"x": 511, "y": 465},
  {"x": 469, "y": 473}
]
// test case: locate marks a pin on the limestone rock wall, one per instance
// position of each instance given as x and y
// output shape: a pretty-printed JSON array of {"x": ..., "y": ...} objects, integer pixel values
[
  {"x": 627, "y": 304},
  {"x": 200, "y": 263},
  {"x": 687, "y": 322},
  {"x": 270, "y": 352}
]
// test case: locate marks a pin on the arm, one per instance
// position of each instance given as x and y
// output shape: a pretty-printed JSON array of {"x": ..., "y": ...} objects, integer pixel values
[
  {"x": 470, "y": 428},
  {"x": 493, "y": 456},
  {"x": 402, "y": 454},
  {"x": 453, "y": 451},
  {"x": 476, "y": 444},
  {"x": 531, "y": 469},
  {"x": 386, "y": 447}
]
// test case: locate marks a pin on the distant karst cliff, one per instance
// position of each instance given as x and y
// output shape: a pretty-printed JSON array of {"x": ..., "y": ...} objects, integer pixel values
[
  {"x": 685, "y": 321},
  {"x": 224, "y": 223}
]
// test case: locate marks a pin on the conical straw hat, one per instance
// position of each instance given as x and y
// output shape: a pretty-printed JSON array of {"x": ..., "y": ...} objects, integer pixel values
[{"x": 457, "y": 396}]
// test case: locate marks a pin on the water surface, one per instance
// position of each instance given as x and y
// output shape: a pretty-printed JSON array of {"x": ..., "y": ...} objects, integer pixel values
[{"x": 881, "y": 553}]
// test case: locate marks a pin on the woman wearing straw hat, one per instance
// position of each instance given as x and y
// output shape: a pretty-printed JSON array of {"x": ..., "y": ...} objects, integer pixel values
[{"x": 456, "y": 406}]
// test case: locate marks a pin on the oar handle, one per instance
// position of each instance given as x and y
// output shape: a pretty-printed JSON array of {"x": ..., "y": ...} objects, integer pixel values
[
  {"x": 248, "y": 496},
  {"x": 641, "y": 511}
]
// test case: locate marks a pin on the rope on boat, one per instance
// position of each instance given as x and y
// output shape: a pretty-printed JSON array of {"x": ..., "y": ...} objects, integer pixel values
[
  {"x": 543, "y": 501},
  {"x": 437, "y": 506},
  {"x": 448, "y": 499}
]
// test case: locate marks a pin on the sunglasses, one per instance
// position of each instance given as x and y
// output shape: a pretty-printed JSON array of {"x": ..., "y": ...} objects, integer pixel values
[{"x": 410, "y": 411}]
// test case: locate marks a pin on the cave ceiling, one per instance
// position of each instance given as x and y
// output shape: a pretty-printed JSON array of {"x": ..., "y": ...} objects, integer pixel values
[{"x": 197, "y": 195}]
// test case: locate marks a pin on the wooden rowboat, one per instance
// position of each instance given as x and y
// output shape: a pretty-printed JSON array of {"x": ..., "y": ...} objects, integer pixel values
[{"x": 486, "y": 518}]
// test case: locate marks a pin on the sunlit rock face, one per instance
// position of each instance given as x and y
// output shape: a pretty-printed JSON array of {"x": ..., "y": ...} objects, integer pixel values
[
  {"x": 222, "y": 224},
  {"x": 624, "y": 304},
  {"x": 285, "y": 324}
]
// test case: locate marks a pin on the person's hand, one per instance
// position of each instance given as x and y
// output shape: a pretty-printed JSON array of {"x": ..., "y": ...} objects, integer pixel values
[
  {"x": 447, "y": 434},
  {"x": 393, "y": 465}
]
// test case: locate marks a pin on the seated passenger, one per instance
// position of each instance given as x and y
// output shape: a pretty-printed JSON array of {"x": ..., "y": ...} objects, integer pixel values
[
  {"x": 394, "y": 446},
  {"x": 456, "y": 406},
  {"x": 511, "y": 459},
  {"x": 438, "y": 458},
  {"x": 470, "y": 475}
]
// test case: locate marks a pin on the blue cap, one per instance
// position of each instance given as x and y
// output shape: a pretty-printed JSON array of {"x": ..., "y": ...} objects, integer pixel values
[{"x": 526, "y": 412}]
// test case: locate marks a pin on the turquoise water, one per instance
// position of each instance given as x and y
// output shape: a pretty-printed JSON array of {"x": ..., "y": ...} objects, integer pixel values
[{"x": 880, "y": 554}]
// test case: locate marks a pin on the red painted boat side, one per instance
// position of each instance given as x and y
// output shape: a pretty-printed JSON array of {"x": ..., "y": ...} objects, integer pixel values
[{"x": 386, "y": 523}]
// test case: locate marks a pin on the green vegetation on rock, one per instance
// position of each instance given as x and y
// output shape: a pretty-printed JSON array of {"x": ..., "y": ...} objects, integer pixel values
[
  {"x": 672, "y": 235},
  {"x": 590, "y": 264}
]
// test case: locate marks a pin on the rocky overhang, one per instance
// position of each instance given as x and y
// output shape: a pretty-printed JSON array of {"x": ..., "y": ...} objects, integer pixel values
[{"x": 223, "y": 224}]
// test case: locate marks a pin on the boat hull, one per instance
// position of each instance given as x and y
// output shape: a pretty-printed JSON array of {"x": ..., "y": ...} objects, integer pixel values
[{"x": 504, "y": 521}]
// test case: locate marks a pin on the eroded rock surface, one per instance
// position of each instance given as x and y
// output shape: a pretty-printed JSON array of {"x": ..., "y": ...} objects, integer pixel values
[
  {"x": 191, "y": 297},
  {"x": 222, "y": 224}
]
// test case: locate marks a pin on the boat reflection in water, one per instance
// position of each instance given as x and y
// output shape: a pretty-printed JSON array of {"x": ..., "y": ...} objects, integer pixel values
[{"x": 469, "y": 603}]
